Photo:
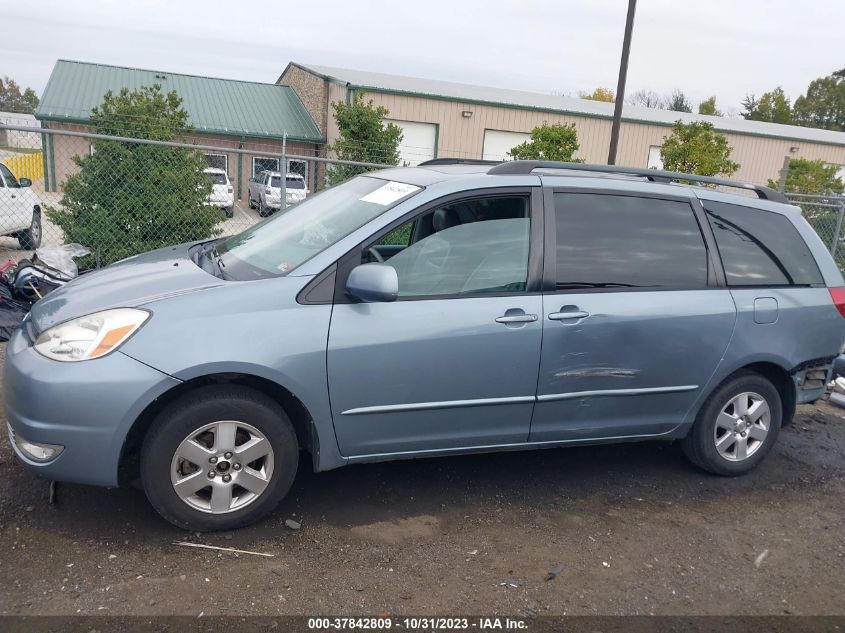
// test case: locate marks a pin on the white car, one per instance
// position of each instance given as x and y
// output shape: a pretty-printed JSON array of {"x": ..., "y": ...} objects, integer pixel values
[
  {"x": 265, "y": 191},
  {"x": 222, "y": 194},
  {"x": 20, "y": 210}
]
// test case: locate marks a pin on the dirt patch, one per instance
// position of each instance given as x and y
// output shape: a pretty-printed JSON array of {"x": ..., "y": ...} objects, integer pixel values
[{"x": 399, "y": 530}]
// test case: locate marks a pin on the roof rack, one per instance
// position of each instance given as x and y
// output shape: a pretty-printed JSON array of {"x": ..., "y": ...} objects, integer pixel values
[
  {"x": 458, "y": 161},
  {"x": 654, "y": 175}
]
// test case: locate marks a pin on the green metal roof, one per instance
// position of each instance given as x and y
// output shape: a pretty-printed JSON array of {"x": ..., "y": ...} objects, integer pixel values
[{"x": 215, "y": 106}]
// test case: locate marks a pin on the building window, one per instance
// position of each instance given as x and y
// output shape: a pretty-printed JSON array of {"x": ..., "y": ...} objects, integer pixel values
[
  {"x": 298, "y": 167},
  {"x": 654, "y": 159},
  {"x": 218, "y": 161},
  {"x": 260, "y": 163}
]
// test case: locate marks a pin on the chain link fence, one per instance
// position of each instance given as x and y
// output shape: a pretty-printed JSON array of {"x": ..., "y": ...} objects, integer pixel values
[
  {"x": 119, "y": 196},
  {"x": 825, "y": 214}
]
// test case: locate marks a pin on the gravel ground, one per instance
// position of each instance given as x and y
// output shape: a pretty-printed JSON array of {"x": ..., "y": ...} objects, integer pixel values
[{"x": 631, "y": 529}]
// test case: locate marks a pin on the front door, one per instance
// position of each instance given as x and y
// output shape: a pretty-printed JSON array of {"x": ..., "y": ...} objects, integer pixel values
[
  {"x": 635, "y": 326},
  {"x": 453, "y": 362}
]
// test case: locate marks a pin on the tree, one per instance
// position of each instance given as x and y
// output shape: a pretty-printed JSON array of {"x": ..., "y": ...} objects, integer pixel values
[
  {"x": 128, "y": 198},
  {"x": 678, "y": 102},
  {"x": 13, "y": 100},
  {"x": 599, "y": 94},
  {"x": 697, "y": 149},
  {"x": 823, "y": 105},
  {"x": 364, "y": 137},
  {"x": 558, "y": 141},
  {"x": 646, "y": 99},
  {"x": 812, "y": 177},
  {"x": 708, "y": 106},
  {"x": 773, "y": 107}
]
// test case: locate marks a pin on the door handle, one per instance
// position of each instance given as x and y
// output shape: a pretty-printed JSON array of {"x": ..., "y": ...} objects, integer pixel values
[
  {"x": 517, "y": 318},
  {"x": 568, "y": 312}
]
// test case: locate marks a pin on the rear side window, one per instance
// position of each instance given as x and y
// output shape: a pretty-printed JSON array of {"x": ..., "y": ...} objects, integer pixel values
[
  {"x": 611, "y": 241},
  {"x": 760, "y": 248}
]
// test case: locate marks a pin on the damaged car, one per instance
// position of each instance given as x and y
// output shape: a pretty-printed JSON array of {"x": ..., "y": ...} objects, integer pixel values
[{"x": 454, "y": 307}]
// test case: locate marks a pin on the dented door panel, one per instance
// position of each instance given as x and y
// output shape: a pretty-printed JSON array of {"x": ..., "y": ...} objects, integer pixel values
[{"x": 633, "y": 366}]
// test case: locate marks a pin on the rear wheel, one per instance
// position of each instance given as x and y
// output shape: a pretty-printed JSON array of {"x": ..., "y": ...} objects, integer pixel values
[
  {"x": 263, "y": 211},
  {"x": 737, "y": 426},
  {"x": 219, "y": 458},
  {"x": 229, "y": 211},
  {"x": 31, "y": 238}
]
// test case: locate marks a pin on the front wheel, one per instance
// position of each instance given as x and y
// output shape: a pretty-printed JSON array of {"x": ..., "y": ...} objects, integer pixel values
[
  {"x": 31, "y": 238},
  {"x": 219, "y": 458},
  {"x": 737, "y": 426}
]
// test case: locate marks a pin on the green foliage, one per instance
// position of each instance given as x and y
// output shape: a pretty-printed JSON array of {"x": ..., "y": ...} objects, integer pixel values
[
  {"x": 129, "y": 198},
  {"x": 678, "y": 102},
  {"x": 697, "y": 149},
  {"x": 823, "y": 105},
  {"x": 708, "y": 106},
  {"x": 13, "y": 100},
  {"x": 811, "y": 176},
  {"x": 558, "y": 141},
  {"x": 599, "y": 94},
  {"x": 364, "y": 137},
  {"x": 773, "y": 107}
]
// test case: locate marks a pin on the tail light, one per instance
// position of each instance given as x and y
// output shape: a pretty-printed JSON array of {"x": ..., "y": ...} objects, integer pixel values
[
  {"x": 230, "y": 190},
  {"x": 838, "y": 296},
  {"x": 268, "y": 190}
]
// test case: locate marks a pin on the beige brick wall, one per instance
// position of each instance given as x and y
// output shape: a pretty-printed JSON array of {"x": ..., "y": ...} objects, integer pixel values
[{"x": 312, "y": 90}]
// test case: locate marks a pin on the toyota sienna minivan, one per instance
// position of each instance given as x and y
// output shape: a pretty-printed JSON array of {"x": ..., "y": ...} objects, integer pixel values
[{"x": 443, "y": 309}]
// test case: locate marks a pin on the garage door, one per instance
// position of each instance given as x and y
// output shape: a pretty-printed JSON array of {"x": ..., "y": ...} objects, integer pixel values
[
  {"x": 497, "y": 144},
  {"x": 418, "y": 141}
]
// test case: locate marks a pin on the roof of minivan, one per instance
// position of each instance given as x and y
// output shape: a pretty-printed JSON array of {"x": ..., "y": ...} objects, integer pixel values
[{"x": 427, "y": 175}]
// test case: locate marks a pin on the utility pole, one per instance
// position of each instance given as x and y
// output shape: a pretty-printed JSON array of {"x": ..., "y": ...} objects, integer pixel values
[{"x": 620, "y": 86}]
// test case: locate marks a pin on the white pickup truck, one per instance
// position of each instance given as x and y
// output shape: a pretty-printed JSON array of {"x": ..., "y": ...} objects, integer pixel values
[
  {"x": 20, "y": 210},
  {"x": 265, "y": 191}
]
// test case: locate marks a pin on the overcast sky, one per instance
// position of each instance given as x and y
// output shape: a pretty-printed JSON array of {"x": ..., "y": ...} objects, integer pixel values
[{"x": 722, "y": 47}]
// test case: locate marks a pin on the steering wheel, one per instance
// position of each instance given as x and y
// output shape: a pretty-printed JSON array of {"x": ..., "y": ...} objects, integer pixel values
[{"x": 372, "y": 253}]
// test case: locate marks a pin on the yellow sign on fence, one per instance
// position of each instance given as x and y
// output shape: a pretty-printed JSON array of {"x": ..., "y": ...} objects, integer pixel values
[{"x": 29, "y": 165}]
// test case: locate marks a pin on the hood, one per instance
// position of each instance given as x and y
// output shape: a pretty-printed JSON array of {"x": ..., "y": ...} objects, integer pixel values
[{"x": 129, "y": 283}]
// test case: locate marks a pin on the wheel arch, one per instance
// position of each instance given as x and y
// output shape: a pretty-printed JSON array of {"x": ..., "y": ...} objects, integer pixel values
[
  {"x": 297, "y": 412},
  {"x": 773, "y": 371}
]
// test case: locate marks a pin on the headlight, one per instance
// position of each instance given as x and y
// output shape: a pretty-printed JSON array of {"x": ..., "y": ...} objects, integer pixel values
[{"x": 90, "y": 336}]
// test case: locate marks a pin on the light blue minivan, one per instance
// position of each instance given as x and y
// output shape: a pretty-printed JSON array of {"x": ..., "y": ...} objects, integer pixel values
[{"x": 448, "y": 308}]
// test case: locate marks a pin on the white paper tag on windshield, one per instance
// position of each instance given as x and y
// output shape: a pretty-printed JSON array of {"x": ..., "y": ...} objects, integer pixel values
[{"x": 389, "y": 193}]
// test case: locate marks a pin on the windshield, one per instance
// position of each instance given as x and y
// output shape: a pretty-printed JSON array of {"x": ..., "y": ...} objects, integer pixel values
[
  {"x": 217, "y": 179},
  {"x": 278, "y": 245}
]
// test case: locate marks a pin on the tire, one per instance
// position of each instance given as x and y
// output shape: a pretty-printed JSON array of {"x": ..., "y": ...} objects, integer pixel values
[
  {"x": 31, "y": 238},
  {"x": 720, "y": 421},
  {"x": 220, "y": 408},
  {"x": 229, "y": 211},
  {"x": 262, "y": 210},
  {"x": 250, "y": 201}
]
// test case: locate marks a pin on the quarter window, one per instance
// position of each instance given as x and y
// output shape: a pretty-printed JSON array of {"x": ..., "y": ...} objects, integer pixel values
[
  {"x": 617, "y": 241},
  {"x": 760, "y": 248},
  {"x": 467, "y": 247}
]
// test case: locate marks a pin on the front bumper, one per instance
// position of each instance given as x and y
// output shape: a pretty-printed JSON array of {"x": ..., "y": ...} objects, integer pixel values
[{"x": 87, "y": 407}]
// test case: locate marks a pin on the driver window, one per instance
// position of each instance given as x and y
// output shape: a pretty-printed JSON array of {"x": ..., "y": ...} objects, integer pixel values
[{"x": 464, "y": 247}]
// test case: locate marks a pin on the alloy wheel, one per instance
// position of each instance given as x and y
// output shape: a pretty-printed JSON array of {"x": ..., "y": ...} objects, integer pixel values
[
  {"x": 742, "y": 426},
  {"x": 222, "y": 467}
]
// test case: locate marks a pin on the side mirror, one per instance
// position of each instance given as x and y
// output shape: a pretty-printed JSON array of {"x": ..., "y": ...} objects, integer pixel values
[
  {"x": 24, "y": 182},
  {"x": 373, "y": 283}
]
